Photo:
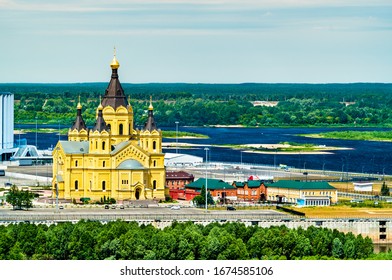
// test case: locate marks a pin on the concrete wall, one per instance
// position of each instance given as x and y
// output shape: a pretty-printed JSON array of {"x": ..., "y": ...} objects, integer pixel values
[{"x": 379, "y": 230}]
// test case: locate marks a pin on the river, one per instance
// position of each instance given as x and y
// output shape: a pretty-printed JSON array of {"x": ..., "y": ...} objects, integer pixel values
[{"x": 371, "y": 157}]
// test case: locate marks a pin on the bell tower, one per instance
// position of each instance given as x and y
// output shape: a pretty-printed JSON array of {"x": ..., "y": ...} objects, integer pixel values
[
  {"x": 150, "y": 135},
  {"x": 99, "y": 135},
  {"x": 117, "y": 112},
  {"x": 79, "y": 130}
]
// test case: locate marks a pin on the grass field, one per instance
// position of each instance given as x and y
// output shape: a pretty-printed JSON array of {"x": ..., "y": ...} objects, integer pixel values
[{"x": 346, "y": 212}]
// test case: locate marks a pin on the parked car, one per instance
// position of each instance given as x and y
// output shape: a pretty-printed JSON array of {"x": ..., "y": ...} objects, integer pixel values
[
  {"x": 106, "y": 206},
  {"x": 61, "y": 207},
  {"x": 113, "y": 206},
  {"x": 175, "y": 207},
  {"x": 230, "y": 208},
  {"x": 122, "y": 206}
]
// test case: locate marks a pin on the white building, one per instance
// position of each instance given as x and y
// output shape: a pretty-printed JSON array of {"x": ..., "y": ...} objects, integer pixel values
[
  {"x": 172, "y": 159},
  {"x": 363, "y": 186},
  {"x": 6, "y": 125}
]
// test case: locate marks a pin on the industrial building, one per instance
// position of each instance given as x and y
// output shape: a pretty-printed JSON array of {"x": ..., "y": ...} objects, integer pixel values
[{"x": 6, "y": 125}]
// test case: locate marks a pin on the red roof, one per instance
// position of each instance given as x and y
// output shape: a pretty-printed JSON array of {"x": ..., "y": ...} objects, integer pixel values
[{"x": 178, "y": 175}]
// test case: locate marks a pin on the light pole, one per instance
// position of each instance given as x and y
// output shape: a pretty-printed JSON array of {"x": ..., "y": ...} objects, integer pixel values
[
  {"x": 36, "y": 148},
  {"x": 275, "y": 159},
  {"x": 36, "y": 129},
  {"x": 57, "y": 180},
  {"x": 59, "y": 131},
  {"x": 176, "y": 137},
  {"x": 206, "y": 202}
]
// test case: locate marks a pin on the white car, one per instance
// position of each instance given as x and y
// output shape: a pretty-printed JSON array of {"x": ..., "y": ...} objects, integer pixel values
[{"x": 175, "y": 207}]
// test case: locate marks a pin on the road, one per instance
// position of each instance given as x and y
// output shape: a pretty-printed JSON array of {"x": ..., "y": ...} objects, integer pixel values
[{"x": 130, "y": 214}]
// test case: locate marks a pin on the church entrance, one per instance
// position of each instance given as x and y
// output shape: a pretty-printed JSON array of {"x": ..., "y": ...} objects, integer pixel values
[{"x": 137, "y": 194}]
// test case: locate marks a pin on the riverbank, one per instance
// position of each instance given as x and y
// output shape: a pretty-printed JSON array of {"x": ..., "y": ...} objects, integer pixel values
[
  {"x": 261, "y": 148},
  {"x": 287, "y": 149},
  {"x": 353, "y": 135}
]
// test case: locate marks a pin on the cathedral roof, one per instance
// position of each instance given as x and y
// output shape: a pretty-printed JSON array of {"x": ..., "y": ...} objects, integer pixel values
[
  {"x": 79, "y": 123},
  {"x": 75, "y": 147},
  {"x": 100, "y": 123},
  {"x": 114, "y": 94},
  {"x": 150, "y": 124},
  {"x": 130, "y": 164}
]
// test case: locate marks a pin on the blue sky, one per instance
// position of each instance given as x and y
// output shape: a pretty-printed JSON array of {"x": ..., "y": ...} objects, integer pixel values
[{"x": 197, "y": 41}]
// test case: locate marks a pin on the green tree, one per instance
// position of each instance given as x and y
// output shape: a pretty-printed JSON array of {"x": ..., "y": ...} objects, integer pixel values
[
  {"x": 200, "y": 199},
  {"x": 384, "y": 189},
  {"x": 337, "y": 248},
  {"x": 20, "y": 199}
]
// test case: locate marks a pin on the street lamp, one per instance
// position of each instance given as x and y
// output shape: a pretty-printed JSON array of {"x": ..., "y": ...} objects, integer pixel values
[
  {"x": 176, "y": 137},
  {"x": 206, "y": 202},
  {"x": 36, "y": 129},
  {"x": 57, "y": 180},
  {"x": 36, "y": 148},
  {"x": 275, "y": 159}
]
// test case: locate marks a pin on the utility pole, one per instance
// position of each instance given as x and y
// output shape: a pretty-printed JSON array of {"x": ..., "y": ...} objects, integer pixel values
[
  {"x": 176, "y": 137},
  {"x": 206, "y": 202}
]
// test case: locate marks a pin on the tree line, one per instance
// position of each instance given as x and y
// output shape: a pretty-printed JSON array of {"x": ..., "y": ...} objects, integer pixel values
[
  {"x": 209, "y": 104},
  {"x": 91, "y": 240}
]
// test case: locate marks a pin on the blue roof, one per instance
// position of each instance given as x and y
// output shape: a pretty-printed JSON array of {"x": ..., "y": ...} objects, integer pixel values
[
  {"x": 130, "y": 164},
  {"x": 75, "y": 147},
  {"x": 119, "y": 147}
]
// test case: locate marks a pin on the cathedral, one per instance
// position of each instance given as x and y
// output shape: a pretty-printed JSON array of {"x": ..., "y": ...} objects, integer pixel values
[{"x": 111, "y": 159}]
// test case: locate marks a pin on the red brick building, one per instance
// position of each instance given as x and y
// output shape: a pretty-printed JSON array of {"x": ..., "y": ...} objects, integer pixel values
[
  {"x": 251, "y": 191},
  {"x": 219, "y": 189},
  {"x": 176, "y": 181}
]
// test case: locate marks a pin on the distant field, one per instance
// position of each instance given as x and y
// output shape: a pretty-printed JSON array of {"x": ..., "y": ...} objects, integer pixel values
[{"x": 345, "y": 212}]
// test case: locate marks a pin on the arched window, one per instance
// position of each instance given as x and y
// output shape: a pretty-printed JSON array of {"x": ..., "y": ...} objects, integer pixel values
[
  {"x": 76, "y": 163},
  {"x": 103, "y": 145},
  {"x": 154, "y": 184},
  {"x": 103, "y": 185},
  {"x": 76, "y": 185},
  {"x": 96, "y": 144},
  {"x": 155, "y": 163},
  {"x": 103, "y": 164},
  {"x": 109, "y": 126},
  {"x": 154, "y": 145},
  {"x": 120, "y": 129}
]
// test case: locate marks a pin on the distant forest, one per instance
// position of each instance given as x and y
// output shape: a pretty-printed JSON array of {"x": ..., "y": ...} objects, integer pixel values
[{"x": 359, "y": 104}]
